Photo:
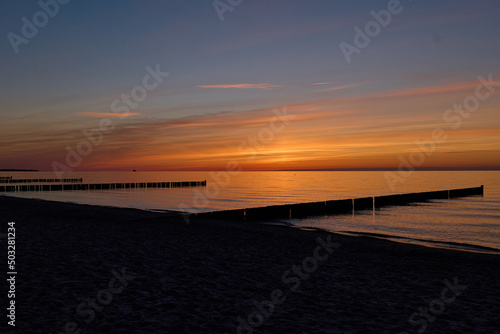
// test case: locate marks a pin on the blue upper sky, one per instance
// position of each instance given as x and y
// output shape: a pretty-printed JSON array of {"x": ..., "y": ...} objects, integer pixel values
[{"x": 94, "y": 48}]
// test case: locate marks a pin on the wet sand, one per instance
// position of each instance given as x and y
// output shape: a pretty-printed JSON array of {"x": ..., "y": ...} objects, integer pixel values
[{"x": 91, "y": 269}]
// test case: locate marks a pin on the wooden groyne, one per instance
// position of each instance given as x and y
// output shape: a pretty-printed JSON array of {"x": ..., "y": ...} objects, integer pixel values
[
  {"x": 100, "y": 186},
  {"x": 11, "y": 180},
  {"x": 342, "y": 206}
]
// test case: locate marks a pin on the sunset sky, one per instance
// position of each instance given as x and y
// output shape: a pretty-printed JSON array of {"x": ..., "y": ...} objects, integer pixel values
[{"x": 228, "y": 79}]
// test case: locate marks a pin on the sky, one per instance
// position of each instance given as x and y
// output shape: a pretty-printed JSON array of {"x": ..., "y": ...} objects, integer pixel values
[{"x": 264, "y": 84}]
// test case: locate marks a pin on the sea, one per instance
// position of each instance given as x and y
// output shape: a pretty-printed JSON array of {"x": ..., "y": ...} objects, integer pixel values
[{"x": 469, "y": 224}]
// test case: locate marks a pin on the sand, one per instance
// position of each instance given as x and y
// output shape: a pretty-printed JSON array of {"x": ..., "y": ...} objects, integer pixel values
[{"x": 91, "y": 269}]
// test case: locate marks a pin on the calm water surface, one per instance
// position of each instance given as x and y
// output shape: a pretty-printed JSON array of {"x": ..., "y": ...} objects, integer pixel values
[{"x": 468, "y": 223}]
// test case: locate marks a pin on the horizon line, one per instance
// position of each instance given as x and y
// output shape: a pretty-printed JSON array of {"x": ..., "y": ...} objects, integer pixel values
[{"x": 381, "y": 169}]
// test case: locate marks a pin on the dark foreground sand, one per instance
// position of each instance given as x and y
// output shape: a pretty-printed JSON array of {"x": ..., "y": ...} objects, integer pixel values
[{"x": 203, "y": 277}]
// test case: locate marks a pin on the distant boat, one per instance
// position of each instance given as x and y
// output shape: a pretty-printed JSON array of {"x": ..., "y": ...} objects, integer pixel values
[{"x": 134, "y": 170}]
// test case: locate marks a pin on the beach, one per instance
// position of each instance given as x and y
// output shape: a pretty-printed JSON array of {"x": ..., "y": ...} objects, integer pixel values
[{"x": 97, "y": 269}]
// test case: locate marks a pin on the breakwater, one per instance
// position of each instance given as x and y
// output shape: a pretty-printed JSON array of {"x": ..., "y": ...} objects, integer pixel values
[
  {"x": 342, "y": 206},
  {"x": 99, "y": 186}
]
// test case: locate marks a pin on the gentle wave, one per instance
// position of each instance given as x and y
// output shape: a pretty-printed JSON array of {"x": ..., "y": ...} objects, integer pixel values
[{"x": 449, "y": 244}]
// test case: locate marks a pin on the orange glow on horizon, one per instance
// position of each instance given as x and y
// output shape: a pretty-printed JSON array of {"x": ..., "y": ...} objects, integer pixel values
[{"x": 345, "y": 133}]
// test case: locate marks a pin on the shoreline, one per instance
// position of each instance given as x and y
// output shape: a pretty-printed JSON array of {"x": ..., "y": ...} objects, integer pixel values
[
  {"x": 465, "y": 247},
  {"x": 460, "y": 247},
  {"x": 205, "y": 276}
]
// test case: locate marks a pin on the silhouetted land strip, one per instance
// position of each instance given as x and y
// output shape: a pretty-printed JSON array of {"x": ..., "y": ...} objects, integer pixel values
[
  {"x": 9, "y": 179},
  {"x": 289, "y": 211},
  {"x": 18, "y": 170}
]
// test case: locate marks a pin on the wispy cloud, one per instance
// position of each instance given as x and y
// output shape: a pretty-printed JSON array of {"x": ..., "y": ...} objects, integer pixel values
[
  {"x": 106, "y": 114},
  {"x": 243, "y": 86},
  {"x": 338, "y": 88},
  {"x": 334, "y": 133},
  {"x": 323, "y": 83},
  {"x": 432, "y": 90}
]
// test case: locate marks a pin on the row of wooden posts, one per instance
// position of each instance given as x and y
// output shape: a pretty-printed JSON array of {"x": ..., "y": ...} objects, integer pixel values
[
  {"x": 100, "y": 186},
  {"x": 343, "y": 206}
]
